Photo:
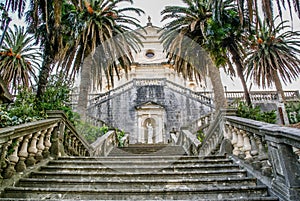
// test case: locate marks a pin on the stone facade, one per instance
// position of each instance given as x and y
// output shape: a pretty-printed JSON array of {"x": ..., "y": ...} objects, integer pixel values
[
  {"x": 153, "y": 99},
  {"x": 164, "y": 107}
]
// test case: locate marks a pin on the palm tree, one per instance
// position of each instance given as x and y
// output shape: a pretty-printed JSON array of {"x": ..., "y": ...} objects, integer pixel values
[
  {"x": 225, "y": 42},
  {"x": 248, "y": 10},
  {"x": 19, "y": 58},
  {"x": 44, "y": 19},
  {"x": 104, "y": 44},
  {"x": 184, "y": 38},
  {"x": 274, "y": 54}
]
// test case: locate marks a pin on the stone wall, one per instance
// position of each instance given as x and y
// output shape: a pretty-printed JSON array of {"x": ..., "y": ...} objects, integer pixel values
[{"x": 159, "y": 102}]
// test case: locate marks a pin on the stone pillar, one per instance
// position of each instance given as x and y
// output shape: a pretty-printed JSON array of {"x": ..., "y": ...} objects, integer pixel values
[{"x": 286, "y": 171}]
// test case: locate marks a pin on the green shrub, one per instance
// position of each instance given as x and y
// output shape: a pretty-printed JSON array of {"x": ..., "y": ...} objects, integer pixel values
[
  {"x": 293, "y": 111},
  {"x": 26, "y": 108},
  {"x": 120, "y": 135},
  {"x": 255, "y": 113},
  {"x": 200, "y": 135}
]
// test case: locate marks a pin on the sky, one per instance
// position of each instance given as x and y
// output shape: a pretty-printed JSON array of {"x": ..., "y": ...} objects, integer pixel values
[{"x": 153, "y": 9}]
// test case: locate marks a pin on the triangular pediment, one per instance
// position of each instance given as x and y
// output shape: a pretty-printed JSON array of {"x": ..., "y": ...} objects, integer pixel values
[{"x": 149, "y": 105}]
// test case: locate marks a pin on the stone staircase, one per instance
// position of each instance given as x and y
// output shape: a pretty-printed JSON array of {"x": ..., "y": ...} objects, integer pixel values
[{"x": 139, "y": 173}]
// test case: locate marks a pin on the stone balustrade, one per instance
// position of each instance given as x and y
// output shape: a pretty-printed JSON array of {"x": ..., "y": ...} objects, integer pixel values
[
  {"x": 257, "y": 96},
  {"x": 195, "y": 95},
  {"x": 99, "y": 98},
  {"x": 201, "y": 124},
  {"x": 105, "y": 144},
  {"x": 95, "y": 121},
  {"x": 269, "y": 151},
  {"x": 25, "y": 145},
  {"x": 214, "y": 134},
  {"x": 187, "y": 140}
]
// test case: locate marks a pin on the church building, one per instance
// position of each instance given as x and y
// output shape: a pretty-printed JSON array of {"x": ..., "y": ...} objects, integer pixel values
[{"x": 153, "y": 100}]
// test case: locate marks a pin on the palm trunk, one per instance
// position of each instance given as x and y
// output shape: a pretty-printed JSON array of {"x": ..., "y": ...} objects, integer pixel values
[
  {"x": 278, "y": 85},
  {"x": 43, "y": 77},
  {"x": 219, "y": 95},
  {"x": 239, "y": 68},
  {"x": 84, "y": 88},
  {"x": 281, "y": 104}
]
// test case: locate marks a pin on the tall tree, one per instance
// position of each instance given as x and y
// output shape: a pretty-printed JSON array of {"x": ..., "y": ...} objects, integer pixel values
[
  {"x": 19, "y": 58},
  {"x": 103, "y": 47},
  {"x": 249, "y": 9},
  {"x": 274, "y": 55},
  {"x": 225, "y": 41},
  {"x": 184, "y": 39},
  {"x": 44, "y": 19}
]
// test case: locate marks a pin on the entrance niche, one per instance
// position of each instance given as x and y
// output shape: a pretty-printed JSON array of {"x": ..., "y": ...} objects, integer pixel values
[{"x": 150, "y": 129}]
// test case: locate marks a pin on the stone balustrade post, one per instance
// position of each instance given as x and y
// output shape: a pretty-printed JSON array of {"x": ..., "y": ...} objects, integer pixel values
[
  {"x": 13, "y": 159},
  {"x": 240, "y": 143},
  {"x": 262, "y": 155},
  {"x": 247, "y": 146},
  {"x": 40, "y": 146},
  {"x": 75, "y": 146},
  {"x": 46, "y": 152},
  {"x": 3, "y": 158},
  {"x": 254, "y": 148},
  {"x": 23, "y": 154},
  {"x": 32, "y": 150},
  {"x": 234, "y": 142}
]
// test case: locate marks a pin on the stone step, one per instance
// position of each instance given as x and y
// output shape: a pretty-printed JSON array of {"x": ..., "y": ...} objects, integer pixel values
[
  {"x": 138, "y": 168},
  {"x": 150, "y": 150},
  {"x": 155, "y": 162},
  {"x": 86, "y": 176},
  {"x": 136, "y": 184},
  {"x": 199, "y": 199},
  {"x": 184, "y": 193},
  {"x": 144, "y": 158}
]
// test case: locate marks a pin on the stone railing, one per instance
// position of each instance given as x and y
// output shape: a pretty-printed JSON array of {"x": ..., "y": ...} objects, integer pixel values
[
  {"x": 268, "y": 151},
  {"x": 107, "y": 95},
  {"x": 25, "y": 145},
  {"x": 187, "y": 140},
  {"x": 74, "y": 98},
  {"x": 105, "y": 144},
  {"x": 201, "y": 124},
  {"x": 257, "y": 96},
  {"x": 214, "y": 133},
  {"x": 95, "y": 121},
  {"x": 100, "y": 98},
  {"x": 195, "y": 95}
]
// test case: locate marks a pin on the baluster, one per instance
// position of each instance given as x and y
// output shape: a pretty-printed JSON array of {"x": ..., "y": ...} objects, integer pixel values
[
  {"x": 234, "y": 142},
  {"x": 47, "y": 143},
  {"x": 23, "y": 154},
  {"x": 67, "y": 144},
  {"x": 76, "y": 146},
  {"x": 247, "y": 146},
  {"x": 40, "y": 146},
  {"x": 32, "y": 150},
  {"x": 263, "y": 157},
  {"x": 4, "y": 160},
  {"x": 254, "y": 148},
  {"x": 13, "y": 159},
  {"x": 240, "y": 144}
]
